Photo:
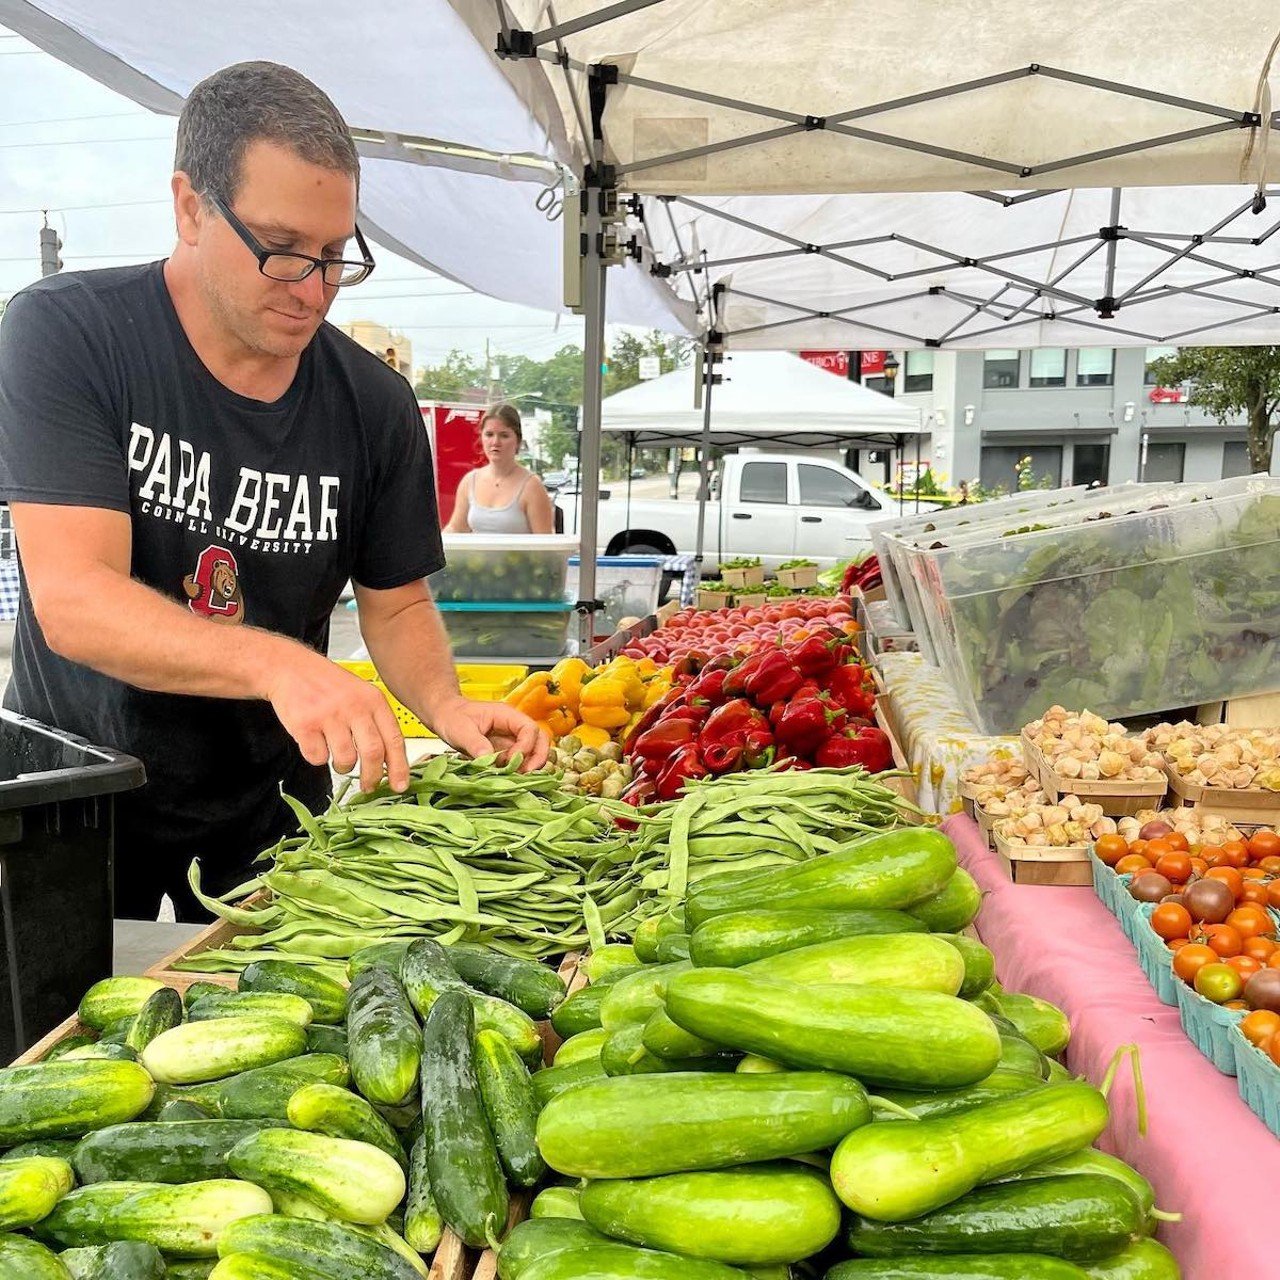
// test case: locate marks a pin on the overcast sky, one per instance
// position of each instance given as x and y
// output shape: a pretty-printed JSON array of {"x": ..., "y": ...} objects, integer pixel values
[{"x": 101, "y": 165}]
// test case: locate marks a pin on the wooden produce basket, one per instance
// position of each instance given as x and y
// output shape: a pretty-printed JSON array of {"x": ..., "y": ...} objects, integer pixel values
[
  {"x": 1118, "y": 799},
  {"x": 1029, "y": 864},
  {"x": 799, "y": 579},
  {"x": 1253, "y": 807},
  {"x": 750, "y": 600},
  {"x": 709, "y": 599},
  {"x": 986, "y": 824},
  {"x": 741, "y": 578}
]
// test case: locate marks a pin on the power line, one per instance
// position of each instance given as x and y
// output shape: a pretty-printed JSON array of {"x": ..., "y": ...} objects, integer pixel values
[
  {"x": 112, "y": 115},
  {"x": 83, "y": 142},
  {"x": 81, "y": 208}
]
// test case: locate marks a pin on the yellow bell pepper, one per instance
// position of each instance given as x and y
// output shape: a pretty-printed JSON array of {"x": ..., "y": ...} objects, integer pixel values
[
  {"x": 592, "y": 736},
  {"x": 567, "y": 676},
  {"x": 623, "y": 670},
  {"x": 604, "y": 703},
  {"x": 560, "y": 722}
]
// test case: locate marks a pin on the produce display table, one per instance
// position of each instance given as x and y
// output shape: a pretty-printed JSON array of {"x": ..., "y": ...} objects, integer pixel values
[
  {"x": 938, "y": 737},
  {"x": 1204, "y": 1151}
]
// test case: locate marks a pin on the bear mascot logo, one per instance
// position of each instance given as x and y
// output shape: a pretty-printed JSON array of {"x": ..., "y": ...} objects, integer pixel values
[{"x": 213, "y": 590}]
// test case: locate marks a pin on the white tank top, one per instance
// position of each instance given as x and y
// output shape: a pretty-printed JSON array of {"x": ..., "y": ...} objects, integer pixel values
[{"x": 508, "y": 519}]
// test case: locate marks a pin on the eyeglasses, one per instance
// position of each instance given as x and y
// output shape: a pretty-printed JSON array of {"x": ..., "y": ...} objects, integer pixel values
[{"x": 292, "y": 267}]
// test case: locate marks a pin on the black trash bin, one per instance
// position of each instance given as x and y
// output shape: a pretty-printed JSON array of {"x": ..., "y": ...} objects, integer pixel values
[{"x": 56, "y": 848}]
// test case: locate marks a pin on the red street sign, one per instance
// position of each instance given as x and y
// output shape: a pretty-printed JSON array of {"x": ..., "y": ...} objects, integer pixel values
[
  {"x": 833, "y": 361},
  {"x": 1167, "y": 395},
  {"x": 873, "y": 363}
]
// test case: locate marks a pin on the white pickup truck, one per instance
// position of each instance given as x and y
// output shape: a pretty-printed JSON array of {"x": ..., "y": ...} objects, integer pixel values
[{"x": 776, "y": 506}]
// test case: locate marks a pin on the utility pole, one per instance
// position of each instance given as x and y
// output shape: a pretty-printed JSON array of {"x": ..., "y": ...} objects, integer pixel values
[{"x": 50, "y": 247}]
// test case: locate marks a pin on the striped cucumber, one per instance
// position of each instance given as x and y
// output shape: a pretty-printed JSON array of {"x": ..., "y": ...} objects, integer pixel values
[
  {"x": 120, "y": 1260},
  {"x": 326, "y": 1248},
  {"x": 579, "y": 1048},
  {"x": 30, "y": 1188},
  {"x": 979, "y": 964},
  {"x": 111, "y": 999},
  {"x": 201, "y": 1051},
  {"x": 162, "y": 1151},
  {"x": 1091, "y": 1160},
  {"x": 66, "y": 1099},
  {"x": 550, "y": 1082},
  {"x": 250, "y": 1004},
  {"x": 59, "y": 1148},
  {"x": 1004, "y": 1266},
  {"x": 181, "y": 1109},
  {"x": 264, "y": 1093},
  {"x": 610, "y": 959},
  {"x": 327, "y": 998},
  {"x": 423, "y": 1225},
  {"x": 531, "y": 987},
  {"x": 322, "y": 1038},
  {"x": 580, "y": 1012},
  {"x": 557, "y": 1202},
  {"x": 162, "y": 1011},
  {"x": 339, "y": 1113},
  {"x": 915, "y": 961},
  {"x": 633, "y": 998},
  {"x": 536, "y": 1238},
  {"x": 507, "y": 1092},
  {"x": 953, "y": 907},
  {"x": 24, "y": 1259},
  {"x": 645, "y": 940},
  {"x": 728, "y": 941},
  {"x": 383, "y": 1037}
]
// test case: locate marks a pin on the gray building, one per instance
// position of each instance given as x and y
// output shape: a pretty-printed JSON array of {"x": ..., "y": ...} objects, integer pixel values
[{"x": 1080, "y": 414}]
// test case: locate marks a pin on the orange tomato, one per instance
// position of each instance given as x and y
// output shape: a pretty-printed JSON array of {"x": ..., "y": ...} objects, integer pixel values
[
  {"x": 1254, "y": 873},
  {"x": 1157, "y": 848},
  {"x": 1198, "y": 866},
  {"x": 1235, "y": 848},
  {"x": 1259, "y": 1026},
  {"x": 1261, "y": 949},
  {"x": 1251, "y": 921},
  {"x": 1270, "y": 865},
  {"x": 1174, "y": 943},
  {"x": 1223, "y": 939},
  {"x": 1273, "y": 960},
  {"x": 1189, "y": 960},
  {"x": 1264, "y": 844},
  {"x": 1229, "y": 876},
  {"x": 1177, "y": 840},
  {"x": 1175, "y": 866},
  {"x": 1132, "y": 863},
  {"x": 1110, "y": 849},
  {"x": 1211, "y": 857},
  {"x": 1139, "y": 846},
  {"x": 1233, "y": 855},
  {"x": 1245, "y": 966},
  {"x": 1273, "y": 894},
  {"x": 1235, "y": 1004},
  {"x": 1254, "y": 892},
  {"x": 1171, "y": 920},
  {"x": 1273, "y": 1048}
]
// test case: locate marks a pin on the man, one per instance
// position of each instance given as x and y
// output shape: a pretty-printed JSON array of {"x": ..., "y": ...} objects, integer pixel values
[{"x": 196, "y": 466}]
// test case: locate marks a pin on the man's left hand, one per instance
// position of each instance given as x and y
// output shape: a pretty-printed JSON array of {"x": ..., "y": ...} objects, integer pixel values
[{"x": 481, "y": 728}]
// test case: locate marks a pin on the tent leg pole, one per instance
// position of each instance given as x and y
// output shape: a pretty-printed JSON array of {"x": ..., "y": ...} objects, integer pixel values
[
  {"x": 704, "y": 456},
  {"x": 593, "y": 301}
]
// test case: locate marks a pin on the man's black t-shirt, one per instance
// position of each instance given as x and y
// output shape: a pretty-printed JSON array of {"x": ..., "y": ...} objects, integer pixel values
[{"x": 246, "y": 513}]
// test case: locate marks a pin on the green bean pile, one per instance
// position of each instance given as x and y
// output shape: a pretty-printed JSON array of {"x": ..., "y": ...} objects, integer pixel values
[{"x": 479, "y": 852}]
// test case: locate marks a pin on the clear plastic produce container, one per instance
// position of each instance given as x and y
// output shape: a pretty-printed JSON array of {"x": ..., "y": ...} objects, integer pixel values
[
  {"x": 520, "y": 629},
  {"x": 1172, "y": 602},
  {"x": 513, "y": 567},
  {"x": 628, "y": 586}
]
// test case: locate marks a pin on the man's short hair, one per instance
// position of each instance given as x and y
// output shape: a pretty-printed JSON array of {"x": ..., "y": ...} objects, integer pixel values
[{"x": 252, "y": 101}]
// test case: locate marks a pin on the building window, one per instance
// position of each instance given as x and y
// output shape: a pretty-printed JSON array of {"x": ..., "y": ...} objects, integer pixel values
[
  {"x": 764, "y": 482},
  {"x": 1089, "y": 463},
  {"x": 1000, "y": 369},
  {"x": 1095, "y": 367},
  {"x": 1164, "y": 462},
  {"x": 1154, "y": 354},
  {"x": 1049, "y": 367},
  {"x": 918, "y": 375},
  {"x": 1235, "y": 460}
]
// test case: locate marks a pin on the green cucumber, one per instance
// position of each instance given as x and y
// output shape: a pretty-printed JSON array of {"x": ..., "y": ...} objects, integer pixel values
[
  {"x": 351, "y": 1180},
  {"x": 944, "y": 1102},
  {"x": 1075, "y": 1216},
  {"x": 462, "y": 1159},
  {"x": 672, "y": 921},
  {"x": 610, "y": 958},
  {"x": 403, "y": 1118},
  {"x": 557, "y": 1202},
  {"x": 916, "y": 961},
  {"x": 103, "y": 1049},
  {"x": 264, "y": 1093},
  {"x": 533, "y": 988},
  {"x": 888, "y": 870},
  {"x": 645, "y": 941},
  {"x": 121, "y": 1260},
  {"x": 895, "y": 1171},
  {"x": 979, "y": 964},
  {"x": 423, "y": 1225},
  {"x": 641, "y": 1126},
  {"x": 953, "y": 907},
  {"x": 1044, "y": 1024},
  {"x": 182, "y": 1220},
  {"x": 1142, "y": 1260},
  {"x": 59, "y": 1148},
  {"x": 579, "y": 1048},
  {"x": 30, "y": 1188},
  {"x": 23, "y": 1259},
  {"x": 322, "y": 1038},
  {"x": 625, "y": 1053},
  {"x": 339, "y": 1113},
  {"x": 1017, "y": 1054},
  {"x": 633, "y": 998},
  {"x": 256, "y": 1266},
  {"x": 326, "y": 1248},
  {"x": 1006, "y": 1266},
  {"x": 550, "y": 1082},
  {"x": 161, "y": 1151},
  {"x": 881, "y": 1035},
  {"x": 580, "y": 1012},
  {"x": 162, "y": 1011},
  {"x": 197, "y": 1052},
  {"x": 738, "y": 938},
  {"x": 625, "y": 1262},
  {"x": 66, "y": 1099},
  {"x": 63, "y": 1047},
  {"x": 1091, "y": 1160},
  {"x": 178, "y": 1269},
  {"x": 752, "y": 1064},
  {"x": 111, "y": 999},
  {"x": 756, "y": 1215},
  {"x": 427, "y": 974},
  {"x": 380, "y": 955},
  {"x": 673, "y": 947},
  {"x": 667, "y": 1039},
  {"x": 251, "y": 1004},
  {"x": 181, "y": 1109},
  {"x": 327, "y": 998},
  {"x": 383, "y": 1037},
  {"x": 536, "y": 1238},
  {"x": 198, "y": 989},
  {"x": 507, "y": 1092}
]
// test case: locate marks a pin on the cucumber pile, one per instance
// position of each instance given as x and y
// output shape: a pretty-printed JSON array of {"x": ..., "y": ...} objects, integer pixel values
[
  {"x": 294, "y": 1129},
  {"x": 811, "y": 1072}
]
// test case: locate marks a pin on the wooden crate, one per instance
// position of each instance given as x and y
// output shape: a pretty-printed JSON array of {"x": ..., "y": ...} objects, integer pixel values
[
  {"x": 1029, "y": 864},
  {"x": 1254, "y": 807},
  {"x": 1118, "y": 799},
  {"x": 213, "y": 938},
  {"x": 986, "y": 824}
]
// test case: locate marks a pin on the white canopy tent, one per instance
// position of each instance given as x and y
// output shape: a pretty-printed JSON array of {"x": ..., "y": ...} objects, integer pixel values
[{"x": 762, "y": 140}]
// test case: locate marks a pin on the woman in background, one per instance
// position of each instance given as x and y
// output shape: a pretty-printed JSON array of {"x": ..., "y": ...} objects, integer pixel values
[{"x": 502, "y": 496}]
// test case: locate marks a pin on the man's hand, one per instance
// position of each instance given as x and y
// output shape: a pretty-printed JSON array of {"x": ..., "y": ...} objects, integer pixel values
[
  {"x": 479, "y": 728},
  {"x": 333, "y": 715}
]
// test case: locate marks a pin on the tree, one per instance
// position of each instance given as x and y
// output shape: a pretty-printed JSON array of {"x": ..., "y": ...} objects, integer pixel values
[
  {"x": 457, "y": 373},
  {"x": 1228, "y": 382}
]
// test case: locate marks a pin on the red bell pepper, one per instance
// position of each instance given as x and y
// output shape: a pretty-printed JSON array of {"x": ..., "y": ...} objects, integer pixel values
[
  {"x": 684, "y": 766},
  {"x": 807, "y": 723},
  {"x": 774, "y": 680},
  {"x": 653, "y": 714},
  {"x": 850, "y": 686},
  {"x": 735, "y": 685},
  {"x": 667, "y": 736},
  {"x": 735, "y": 734},
  {"x": 869, "y": 748},
  {"x": 710, "y": 685}
]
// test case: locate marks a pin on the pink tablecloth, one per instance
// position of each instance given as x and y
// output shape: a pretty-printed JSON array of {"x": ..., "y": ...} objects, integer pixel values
[{"x": 1208, "y": 1156}]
